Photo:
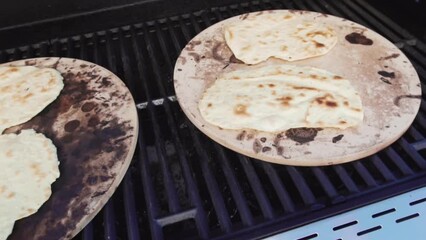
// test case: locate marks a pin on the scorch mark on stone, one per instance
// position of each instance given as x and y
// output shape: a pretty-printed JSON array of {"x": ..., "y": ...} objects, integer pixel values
[
  {"x": 398, "y": 99},
  {"x": 358, "y": 38}
]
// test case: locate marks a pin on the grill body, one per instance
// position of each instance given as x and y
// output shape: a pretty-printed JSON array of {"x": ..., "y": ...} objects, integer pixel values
[{"x": 180, "y": 183}]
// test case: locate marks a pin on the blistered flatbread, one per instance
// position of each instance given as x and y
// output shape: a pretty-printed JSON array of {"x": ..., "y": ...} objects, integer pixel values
[
  {"x": 279, "y": 97},
  {"x": 26, "y": 91},
  {"x": 29, "y": 165},
  {"x": 284, "y": 35}
]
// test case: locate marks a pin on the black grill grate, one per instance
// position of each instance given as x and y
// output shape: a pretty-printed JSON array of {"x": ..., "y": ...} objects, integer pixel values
[{"x": 183, "y": 185}]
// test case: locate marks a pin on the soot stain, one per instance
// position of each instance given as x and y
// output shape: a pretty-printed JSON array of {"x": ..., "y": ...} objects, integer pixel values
[
  {"x": 72, "y": 125},
  {"x": 386, "y": 74},
  {"x": 394, "y": 55},
  {"x": 216, "y": 52},
  {"x": 385, "y": 80},
  {"x": 358, "y": 38},
  {"x": 397, "y": 100},
  {"x": 266, "y": 149},
  {"x": 89, "y": 106},
  {"x": 263, "y": 139},
  {"x": 195, "y": 56},
  {"x": 337, "y": 138},
  {"x": 241, "y": 135},
  {"x": 302, "y": 135},
  {"x": 76, "y": 150},
  {"x": 257, "y": 145}
]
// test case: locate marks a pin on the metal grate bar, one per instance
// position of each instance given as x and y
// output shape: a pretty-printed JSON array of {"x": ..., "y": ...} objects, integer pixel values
[
  {"x": 303, "y": 188},
  {"x": 130, "y": 208},
  {"x": 193, "y": 190},
  {"x": 346, "y": 179},
  {"x": 172, "y": 197},
  {"x": 326, "y": 185},
  {"x": 88, "y": 232},
  {"x": 259, "y": 192},
  {"x": 212, "y": 186},
  {"x": 398, "y": 161},
  {"x": 418, "y": 159},
  {"x": 384, "y": 171},
  {"x": 235, "y": 188},
  {"x": 148, "y": 189},
  {"x": 109, "y": 221},
  {"x": 279, "y": 188},
  {"x": 363, "y": 172},
  {"x": 385, "y": 19},
  {"x": 415, "y": 133}
]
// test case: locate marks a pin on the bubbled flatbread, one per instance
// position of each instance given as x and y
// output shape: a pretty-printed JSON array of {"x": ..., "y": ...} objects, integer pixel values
[
  {"x": 279, "y": 97},
  {"x": 285, "y": 35},
  {"x": 26, "y": 91},
  {"x": 29, "y": 164}
]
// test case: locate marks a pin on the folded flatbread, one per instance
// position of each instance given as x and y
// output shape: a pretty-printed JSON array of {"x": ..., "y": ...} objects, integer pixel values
[
  {"x": 279, "y": 97},
  {"x": 29, "y": 164},
  {"x": 284, "y": 35},
  {"x": 26, "y": 91}
]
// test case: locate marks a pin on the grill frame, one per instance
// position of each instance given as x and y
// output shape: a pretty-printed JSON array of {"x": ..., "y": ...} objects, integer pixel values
[{"x": 178, "y": 174}]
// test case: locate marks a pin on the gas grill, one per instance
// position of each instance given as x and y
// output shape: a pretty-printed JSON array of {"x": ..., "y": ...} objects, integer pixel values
[{"x": 181, "y": 184}]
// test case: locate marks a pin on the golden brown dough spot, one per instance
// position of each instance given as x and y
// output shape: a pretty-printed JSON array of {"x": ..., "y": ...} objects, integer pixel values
[
  {"x": 9, "y": 153},
  {"x": 285, "y": 100},
  {"x": 304, "y": 88},
  {"x": 271, "y": 85},
  {"x": 241, "y": 109},
  {"x": 318, "y": 45},
  {"x": 260, "y": 86},
  {"x": 209, "y": 105},
  {"x": 11, "y": 195},
  {"x": 337, "y": 77}
]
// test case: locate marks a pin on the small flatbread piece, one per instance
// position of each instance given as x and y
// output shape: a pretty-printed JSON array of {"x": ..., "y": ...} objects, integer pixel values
[
  {"x": 26, "y": 91},
  {"x": 29, "y": 165},
  {"x": 258, "y": 36},
  {"x": 279, "y": 97}
]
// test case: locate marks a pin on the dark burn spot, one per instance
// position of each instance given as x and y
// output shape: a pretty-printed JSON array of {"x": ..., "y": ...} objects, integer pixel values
[
  {"x": 302, "y": 135},
  {"x": 106, "y": 82},
  {"x": 257, "y": 146},
  {"x": 89, "y": 106},
  {"x": 263, "y": 139},
  {"x": 83, "y": 65},
  {"x": 358, "y": 38},
  {"x": 331, "y": 104},
  {"x": 266, "y": 149},
  {"x": 397, "y": 100},
  {"x": 337, "y": 138},
  {"x": 71, "y": 126},
  {"x": 179, "y": 69},
  {"x": 387, "y": 74},
  {"x": 241, "y": 135}
]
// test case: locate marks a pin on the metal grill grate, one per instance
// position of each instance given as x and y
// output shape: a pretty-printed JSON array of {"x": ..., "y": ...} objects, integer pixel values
[{"x": 183, "y": 185}]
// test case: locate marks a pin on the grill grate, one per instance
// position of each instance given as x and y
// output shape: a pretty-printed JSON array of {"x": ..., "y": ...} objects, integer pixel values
[{"x": 182, "y": 185}]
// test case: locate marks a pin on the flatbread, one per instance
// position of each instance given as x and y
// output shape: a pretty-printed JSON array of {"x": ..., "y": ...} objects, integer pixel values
[
  {"x": 30, "y": 165},
  {"x": 284, "y": 35},
  {"x": 26, "y": 91},
  {"x": 275, "y": 98}
]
